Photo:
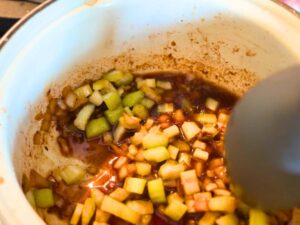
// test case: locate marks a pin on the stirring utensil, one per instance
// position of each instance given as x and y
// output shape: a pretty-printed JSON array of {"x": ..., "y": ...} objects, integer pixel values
[{"x": 263, "y": 141}]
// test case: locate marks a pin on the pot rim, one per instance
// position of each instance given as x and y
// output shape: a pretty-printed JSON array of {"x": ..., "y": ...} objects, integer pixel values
[{"x": 45, "y": 4}]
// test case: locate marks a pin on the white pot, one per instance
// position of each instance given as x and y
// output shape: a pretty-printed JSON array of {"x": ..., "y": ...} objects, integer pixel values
[{"x": 64, "y": 33}]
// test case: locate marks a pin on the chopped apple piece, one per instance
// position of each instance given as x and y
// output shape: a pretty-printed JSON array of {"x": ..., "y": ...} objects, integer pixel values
[
  {"x": 141, "y": 207},
  {"x": 170, "y": 170},
  {"x": 190, "y": 130},
  {"x": 173, "y": 151},
  {"x": 156, "y": 191},
  {"x": 175, "y": 210},
  {"x": 143, "y": 168},
  {"x": 135, "y": 185},
  {"x": 200, "y": 154},
  {"x": 211, "y": 104},
  {"x": 120, "y": 194},
  {"x": 157, "y": 154},
  {"x": 155, "y": 139},
  {"x": 189, "y": 182},
  {"x": 171, "y": 131}
]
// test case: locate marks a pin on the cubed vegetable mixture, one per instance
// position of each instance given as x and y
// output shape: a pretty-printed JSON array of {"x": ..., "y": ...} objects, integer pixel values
[{"x": 153, "y": 150}]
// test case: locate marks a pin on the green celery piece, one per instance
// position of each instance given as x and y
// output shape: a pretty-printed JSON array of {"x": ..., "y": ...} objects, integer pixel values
[
  {"x": 175, "y": 210},
  {"x": 43, "y": 198},
  {"x": 133, "y": 98},
  {"x": 112, "y": 100},
  {"x": 30, "y": 198},
  {"x": 135, "y": 185},
  {"x": 119, "y": 78},
  {"x": 157, "y": 154},
  {"x": 120, "y": 210},
  {"x": 128, "y": 111},
  {"x": 258, "y": 217},
  {"x": 140, "y": 111},
  {"x": 156, "y": 191},
  {"x": 104, "y": 86},
  {"x": 72, "y": 174},
  {"x": 113, "y": 115},
  {"x": 96, "y": 127},
  {"x": 148, "y": 103}
]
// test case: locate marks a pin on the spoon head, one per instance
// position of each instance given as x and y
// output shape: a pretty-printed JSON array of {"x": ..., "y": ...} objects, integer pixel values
[{"x": 263, "y": 142}]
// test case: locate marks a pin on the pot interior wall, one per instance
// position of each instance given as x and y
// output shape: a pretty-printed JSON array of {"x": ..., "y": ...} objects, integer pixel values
[{"x": 231, "y": 43}]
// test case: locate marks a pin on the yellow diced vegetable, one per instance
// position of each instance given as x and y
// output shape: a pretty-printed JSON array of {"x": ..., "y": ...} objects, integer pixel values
[
  {"x": 211, "y": 104},
  {"x": 200, "y": 154},
  {"x": 88, "y": 211},
  {"x": 156, "y": 191},
  {"x": 120, "y": 210},
  {"x": 199, "y": 144},
  {"x": 155, "y": 139},
  {"x": 135, "y": 185},
  {"x": 171, "y": 131},
  {"x": 120, "y": 194},
  {"x": 141, "y": 207},
  {"x": 76, "y": 214},
  {"x": 258, "y": 217},
  {"x": 83, "y": 116},
  {"x": 173, "y": 151},
  {"x": 209, "y": 218},
  {"x": 72, "y": 174},
  {"x": 83, "y": 91},
  {"x": 174, "y": 197},
  {"x": 185, "y": 158},
  {"x": 170, "y": 170},
  {"x": 223, "y": 204},
  {"x": 97, "y": 196},
  {"x": 175, "y": 210},
  {"x": 228, "y": 219},
  {"x": 96, "y": 98},
  {"x": 143, "y": 169},
  {"x": 189, "y": 182},
  {"x": 157, "y": 154},
  {"x": 190, "y": 130},
  {"x": 206, "y": 118}
]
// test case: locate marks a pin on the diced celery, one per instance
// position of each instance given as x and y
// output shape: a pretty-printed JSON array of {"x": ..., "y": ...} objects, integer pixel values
[
  {"x": 209, "y": 218},
  {"x": 83, "y": 116},
  {"x": 72, "y": 174},
  {"x": 135, "y": 185},
  {"x": 211, "y": 104},
  {"x": 126, "y": 79},
  {"x": 103, "y": 85},
  {"x": 128, "y": 111},
  {"x": 43, "y": 198},
  {"x": 114, "y": 76},
  {"x": 120, "y": 210},
  {"x": 119, "y": 133},
  {"x": 121, "y": 91},
  {"x": 173, "y": 151},
  {"x": 140, "y": 111},
  {"x": 228, "y": 219},
  {"x": 96, "y": 98},
  {"x": 156, "y": 191},
  {"x": 165, "y": 108},
  {"x": 190, "y": 130},
  {"x": 113, "y": 116},
  {"x": 155, "y": 139},
  {"x": 112, "y": 100},
  {"x": 141, "y": 207},
  {"x": 172, "y": 131},
  {"x": 76, "y": 214},
  {"x": 157, "y": 154},
  {"x": 101, "y": 216},
  {"x": 97, "y": 196},
  {"x": 83, "y": 91},
  {"x": 30, "y": 198},
  {"x": 88, "y": 211},
  {"x": 170, "y": 170},
  {"x": 164, "y": 85},
  {"x": 175, "y": 210},
  {"x": 222, "y": 204},
  {"x": 185, "y": 158},
  {"x": 133, "y": 98},
  {"x": 148, "y": 103},
  {"x": 120, "y": 194},
  {"x": 258, "y": 217},
  {"x": 96, "y": 127},
  {"x": 143, "y": 168},
  {"x": 151, "y": 93},
  {"x": 189, "y": 182},
  {"x": 206, "y": 118},
  {"x": 150, "y": 82}
]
